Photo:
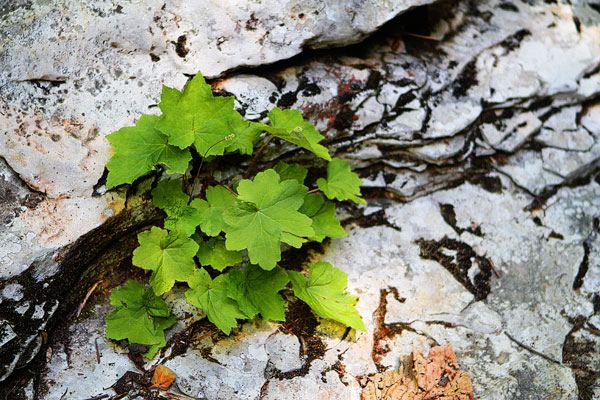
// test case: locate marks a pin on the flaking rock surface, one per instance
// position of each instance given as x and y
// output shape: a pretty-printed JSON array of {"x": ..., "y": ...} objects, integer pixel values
[
  {"x": 73, "y": 72},
  {"x": 476, "y": 128}
]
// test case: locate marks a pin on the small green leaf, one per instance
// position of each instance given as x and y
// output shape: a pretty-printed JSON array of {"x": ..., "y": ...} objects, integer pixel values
[
  {"x": 322, "y": 213},
  {"x": 341, "y": 183},
  {"x": 289, "y": 125},
  {"x": 324, "y": 293},
  {"x": 291, "y": 171},
  {"x": 139, "y": 149},
  {"x": 211, "y": 296},
  {"x": 256, "y": 291},
  {"x": 170, "y": 255},
  {"x": 180, "y": 216},
  {"x": 218, "y": 199},
  {"x": 139, "y": 316},
  {"x": 214, "y": 253},
  {"x": 246, "y": 134},
  {"x": 152, "y": 351},
  {"x": 210, "y": 123},
  {"x": 267, "y": 215}
]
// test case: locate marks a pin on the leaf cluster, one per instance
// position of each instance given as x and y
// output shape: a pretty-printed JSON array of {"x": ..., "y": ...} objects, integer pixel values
[{"x": 225, "y": 241}]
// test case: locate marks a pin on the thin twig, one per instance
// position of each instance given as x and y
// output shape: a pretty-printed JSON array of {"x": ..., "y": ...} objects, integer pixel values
[
  {"x": 313, "y": 191},
  {"x": 494, "y": 268},
  {"x": 87, "y": 296},
  {"x": 170, "y": 395},
  {"x": 224, "y": 186},
  {"x": 206, "y": 334},
  {"x": 102, "y": 396},
  {"x": 253, "y": 162},
  {"x": 97, "y": 350},
  {"x": 423, "y": 36},
  {"x": 182, "y": 393}
]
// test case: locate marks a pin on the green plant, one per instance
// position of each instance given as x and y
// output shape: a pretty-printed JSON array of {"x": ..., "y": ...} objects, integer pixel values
[{"x": 209, "y": 223}]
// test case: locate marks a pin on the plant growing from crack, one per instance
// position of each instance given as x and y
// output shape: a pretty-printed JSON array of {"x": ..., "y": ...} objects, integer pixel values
[{"x": 210, "y": 225}]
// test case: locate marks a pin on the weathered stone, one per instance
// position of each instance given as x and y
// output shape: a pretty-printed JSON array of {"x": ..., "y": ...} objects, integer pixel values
[
  {"x": 467, "y": 145},
  {"x": 284, "y": 352},
  {"x": 79, "y": 71},
  {"x": 510, "y": 133},
  {"x": 509, "y": 342}
]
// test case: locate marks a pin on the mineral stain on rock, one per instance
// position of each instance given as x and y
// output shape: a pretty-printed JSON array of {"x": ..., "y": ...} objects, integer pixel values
[
  {"x": 459, "y": 265},
  {"x": 181, "y": 47},
  {"x": 578, "y": 354},
  {"x": 401, "y": 73},
  {"x": 300, "y": 321},
  {"x": 384, "y": 331}
]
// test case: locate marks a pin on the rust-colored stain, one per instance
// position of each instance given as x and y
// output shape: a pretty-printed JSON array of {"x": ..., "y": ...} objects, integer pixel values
[{"x": 382, "y": 330}]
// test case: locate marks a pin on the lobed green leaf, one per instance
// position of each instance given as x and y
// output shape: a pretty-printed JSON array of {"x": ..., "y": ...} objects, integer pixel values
[
  {"x": 181, "y": 216},
  {"x": 266, "y": 215},
  {"x": 256, "y": 291},
  {"x": 324, "y": 221},
  {"x": 214, "y": 253},
  {"x": 139, "y": 149},
  {"x": 341, "y": 183},
  {"x": 210, "y": 123},
  {"x": 139, "y": 316},
  {"x": 291, "y": 171},
  {"x": 218, "y": 199},
  {"x": 170, "y": 256},
  {"x": 289, "y": 125},
  {"x": 211, "y": 296},
  {"x": 324, "y": 293}
]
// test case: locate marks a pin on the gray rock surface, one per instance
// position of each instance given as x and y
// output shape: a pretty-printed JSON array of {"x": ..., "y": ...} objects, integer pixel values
[
  {"x": 475, "y": 126},
  {"x": 80, "y": 70}
]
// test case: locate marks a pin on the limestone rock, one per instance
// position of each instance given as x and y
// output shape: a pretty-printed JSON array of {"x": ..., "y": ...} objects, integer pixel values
[
  {"x": 80, "y": 70},
  {"x": 476, "y": 133}
]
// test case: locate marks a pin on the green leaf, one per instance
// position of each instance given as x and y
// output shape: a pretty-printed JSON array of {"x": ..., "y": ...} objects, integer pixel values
[
  {"x": 210, "y": 123},
  {"x": 246, "y": 134},
  {"x": 139, "y": 316},
  {"x": 324, "y": 293},
  {"x": 289, "y": 125},
  {"x": 139, "y": 149},
  {"x": 211, "y": 296},
  {"x": 341, "y": 183},
  {"x": 267, "y": 216},
  {"x": 322, "y": 213},
  {"x": 160, "y": 323},
  {"x": 168, "y": 196},
  {"x": 218, "y": 199},
  {"x": 214, "y": 253},
  {"x": 256, "y": 291},
  {"x": 170, "y": 255},
  {"x": 290, "y": 171}
]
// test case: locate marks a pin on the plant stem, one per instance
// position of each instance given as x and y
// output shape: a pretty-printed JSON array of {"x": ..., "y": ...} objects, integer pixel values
[
  {"x": 224, "y": 186},
  {"x": 253, "y": 162},
  {"x": 202, "y": 161},
  {"x": 313, "y": 191},
  {"x": 299, "y": 237},
  {"x": 422, "y": 36},
  {"x": 185, "y": 183}
]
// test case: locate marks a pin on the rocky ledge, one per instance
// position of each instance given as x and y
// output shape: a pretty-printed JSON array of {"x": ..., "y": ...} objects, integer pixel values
[{"x": 475, "y": 126}]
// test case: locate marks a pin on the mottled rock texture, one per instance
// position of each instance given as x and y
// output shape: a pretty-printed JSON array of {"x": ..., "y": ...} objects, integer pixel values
[
  {"x": 74, "y": 72},
  {"x": 475, "y": 126}
]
